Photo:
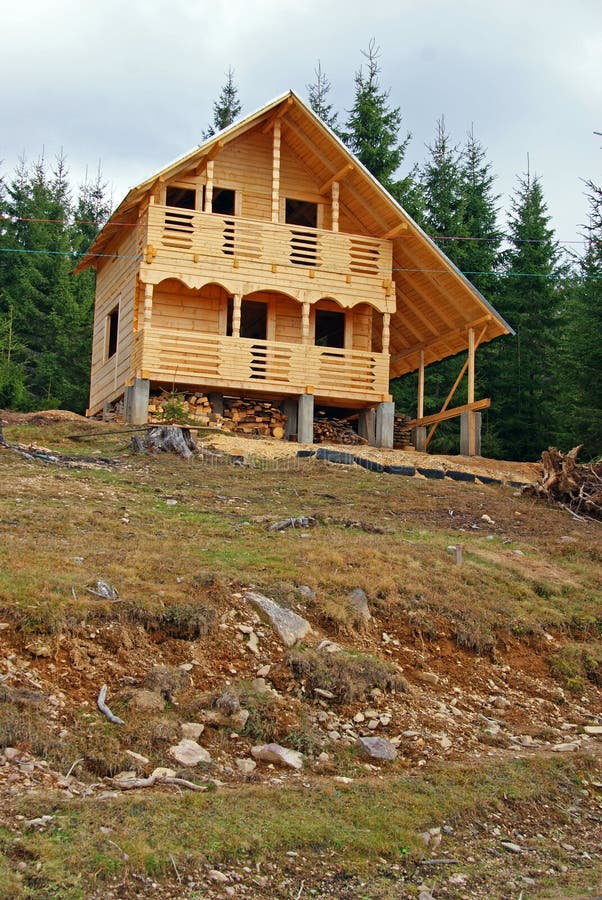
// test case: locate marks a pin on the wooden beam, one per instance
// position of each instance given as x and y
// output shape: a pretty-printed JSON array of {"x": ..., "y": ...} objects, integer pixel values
[
  {"x": 335, "y": 207},
  {"x": 276, "y": 172},
  {"x": 420, "y": 405},
  {"x": 429, "y": 436},
  {"x": 338, "y": 176},
  {"x": 281, "y": 111},
  {"x": 472, "y": 433},
  {"x": 442, "y": 337},
  {"x": 393, "y": 232},
  {"x": 209, "y": 157},
  {"x": 450, "y": 413}
]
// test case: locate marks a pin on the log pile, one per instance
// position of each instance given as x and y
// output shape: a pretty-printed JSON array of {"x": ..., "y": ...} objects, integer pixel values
[
  {"x": 402, "y": 433},
  {"x": 253, "y": 417},
  {"x": 335, "y": 431},
  {"x": 576, "y": 487}
]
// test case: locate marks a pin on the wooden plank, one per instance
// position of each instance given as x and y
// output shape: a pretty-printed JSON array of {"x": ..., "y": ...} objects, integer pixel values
[
  {"x": 450, "y": 413},
  {"x": 338, "y": 176}
]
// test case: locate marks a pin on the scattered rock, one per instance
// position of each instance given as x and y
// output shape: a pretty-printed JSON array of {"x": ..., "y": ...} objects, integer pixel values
[
  {"x": 593, "y": 729},
  {"x": 287, "y": 624},
  {"x": 246, "y": 766},
  {"x": 216, "y": 717},
  {"x": 428, "y": 677},
  {"x": 359, "y": 601},
  {"x": 282, "y": 756},
  {"x": 189, "y": 753},
  {"x": 566, "y": 748},
  {"x": 510, "y": 847},
  {"x": 192, "y": 730},
  {"x": 137, "y": 757},
  {"x": 163, "y": 772},
  {"x": 377, "y": 748},
  {"x": 146, "y": 701}
]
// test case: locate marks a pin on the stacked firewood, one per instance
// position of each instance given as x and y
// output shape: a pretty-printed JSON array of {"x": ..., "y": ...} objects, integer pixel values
[
  {"x": 253, "y": 417},
  {"x": 576, "y": 487},
  {"x": 191, "y": 408},
  {"x": 335, "y": 431},
  {"x": 402, "y": 433}
]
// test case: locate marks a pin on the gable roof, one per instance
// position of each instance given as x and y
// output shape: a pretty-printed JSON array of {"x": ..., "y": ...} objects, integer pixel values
[{"x": 436, "y": 303}]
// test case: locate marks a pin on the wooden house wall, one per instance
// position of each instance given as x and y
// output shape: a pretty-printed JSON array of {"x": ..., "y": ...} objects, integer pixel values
[
  {"x": 115, "y": 286},
  {"x": 176, "y": 306}
]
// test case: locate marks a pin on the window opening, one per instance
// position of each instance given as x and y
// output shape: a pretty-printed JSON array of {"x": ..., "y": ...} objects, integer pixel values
[
  {"x": 181, "y": 198},
  {"x": 254, "y": 320},
  {"x": 112, "y": 332},
  {"x": 301, "y": 212},
  {"x": 223, "y": 201},
  {"x": 330, "y": 329}
]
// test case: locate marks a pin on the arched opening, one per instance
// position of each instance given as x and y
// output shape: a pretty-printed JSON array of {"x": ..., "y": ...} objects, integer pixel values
[
  {"x": 177, "y": 306},
  {"x": 271, "y": 316}
]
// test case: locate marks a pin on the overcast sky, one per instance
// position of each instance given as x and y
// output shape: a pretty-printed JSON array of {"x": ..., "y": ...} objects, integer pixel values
[{"x": 132, "y": 82}]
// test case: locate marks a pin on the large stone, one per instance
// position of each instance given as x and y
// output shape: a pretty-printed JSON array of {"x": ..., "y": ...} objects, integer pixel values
[
  {"x": 216, "y": 717},
  {"x": 359, "y": 600},
  {"x": 189, "y": 753},
  {"x": 281, "y": 756},
  {"x": 288, "y": 625},
  {"x": 146, "y": 701},
  {"x": 377, "y": 748}
]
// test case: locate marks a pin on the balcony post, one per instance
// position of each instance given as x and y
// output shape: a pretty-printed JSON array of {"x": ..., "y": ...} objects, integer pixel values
[
  {"x": 276, "y": 172},
  {"x": 236, "y": 303},
  {"x": 148, "y": 306},
  {"x": 209, "y": 189},
  {"x": 335, "y": 206},
  {"x": 305, "y": 323},
  {"x": 386, "y": 337}
]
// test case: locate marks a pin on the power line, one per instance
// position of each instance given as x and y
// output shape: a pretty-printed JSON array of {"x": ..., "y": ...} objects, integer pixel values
[{"x": 557, "y": 276}]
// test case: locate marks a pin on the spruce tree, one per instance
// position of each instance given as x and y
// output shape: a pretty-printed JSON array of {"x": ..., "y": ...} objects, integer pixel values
[
  {"x": 318, "y": 99},
  {"x": 442, "y": 186},
  {"x": 372, "y": 129},
  {"x": 226, "y": 108},
  {"x": 581, "y": 359},
  {"x": 527, "y": 389}
]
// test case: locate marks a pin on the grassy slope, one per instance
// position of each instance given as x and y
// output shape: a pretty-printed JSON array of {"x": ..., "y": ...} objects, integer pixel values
[{"x": 387, "y": 535}]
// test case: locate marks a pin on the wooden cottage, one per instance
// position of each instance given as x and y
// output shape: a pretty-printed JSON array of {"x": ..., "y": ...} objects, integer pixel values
[{"x": 268, "y": 263}]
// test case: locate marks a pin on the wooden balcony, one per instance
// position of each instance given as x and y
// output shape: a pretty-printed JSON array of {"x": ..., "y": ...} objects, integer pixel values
[
  {"x": 267, "y": 367},
  {"x": 350, "y": 268}
]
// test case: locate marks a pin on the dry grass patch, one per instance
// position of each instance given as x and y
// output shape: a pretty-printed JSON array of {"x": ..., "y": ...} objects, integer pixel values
[{"x": 348, "y": 675}]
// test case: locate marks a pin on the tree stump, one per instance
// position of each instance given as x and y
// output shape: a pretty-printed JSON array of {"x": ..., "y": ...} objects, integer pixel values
[{"x": 168, "y": 439}]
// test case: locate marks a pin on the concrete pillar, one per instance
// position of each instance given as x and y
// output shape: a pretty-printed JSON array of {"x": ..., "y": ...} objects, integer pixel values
[
  {"x": 217, "y": 402},
  {"x": 135, "y": 406},
  {"x": 384, "y": 424},
  {"x": 289, "y": 408},
  {"x": 367, "y": 425},
  {"x": 305, "y": 420},
  {"x": 465, "y": 433},
  {"x": 419, "y": 438}
]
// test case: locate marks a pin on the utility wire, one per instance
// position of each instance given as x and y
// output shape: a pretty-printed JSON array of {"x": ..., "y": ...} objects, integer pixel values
[{"x": 74, "y": 255}]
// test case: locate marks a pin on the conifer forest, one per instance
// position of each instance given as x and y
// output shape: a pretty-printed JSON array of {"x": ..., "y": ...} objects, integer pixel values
[{"x": 545, "y": 381}]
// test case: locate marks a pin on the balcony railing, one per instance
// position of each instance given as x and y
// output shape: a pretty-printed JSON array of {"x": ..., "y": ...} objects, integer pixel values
[
  {"x": 188, "y": 357},
  {"x": 242, "y": 242}
]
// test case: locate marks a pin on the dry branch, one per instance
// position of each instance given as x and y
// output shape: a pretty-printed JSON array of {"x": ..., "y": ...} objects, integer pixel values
[
  {"x": 105, "y": 709},
  {"x": 577, "y": 488}
]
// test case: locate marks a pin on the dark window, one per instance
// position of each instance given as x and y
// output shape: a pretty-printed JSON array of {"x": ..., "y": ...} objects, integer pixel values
[
  {"x": 112, "y": 332},
  {"x": 223, "y": 201},
  {"x": 301, "y": 212},
  {"x": 254, "y": 320},
  {"x": 181, "y": 198},
  {"x": 330, "y": 328}
]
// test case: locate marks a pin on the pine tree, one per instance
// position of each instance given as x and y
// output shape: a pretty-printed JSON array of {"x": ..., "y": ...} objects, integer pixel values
[
  {"x": 372, "y": 129},
  {"x": 581, "y": 359},
  {"x": 530, "y": 299},
  {"x": 318, "y": 93},
  {"x": 226, "y": 108},
  {"x": 442, "y": 185}
]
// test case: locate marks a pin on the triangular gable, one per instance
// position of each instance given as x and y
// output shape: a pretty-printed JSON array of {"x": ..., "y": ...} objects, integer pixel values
[{"x": 436, "y": 304}]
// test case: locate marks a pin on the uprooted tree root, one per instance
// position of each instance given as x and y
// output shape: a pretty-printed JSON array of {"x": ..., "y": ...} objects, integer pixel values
[{"x": 576, "y": 487}]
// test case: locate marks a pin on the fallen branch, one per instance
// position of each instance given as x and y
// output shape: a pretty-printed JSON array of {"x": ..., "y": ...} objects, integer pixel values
[
  {"x": 130, "y": 784},
  {"x": 293, "y": 522},
  {"x": 105, "y": 709}
]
